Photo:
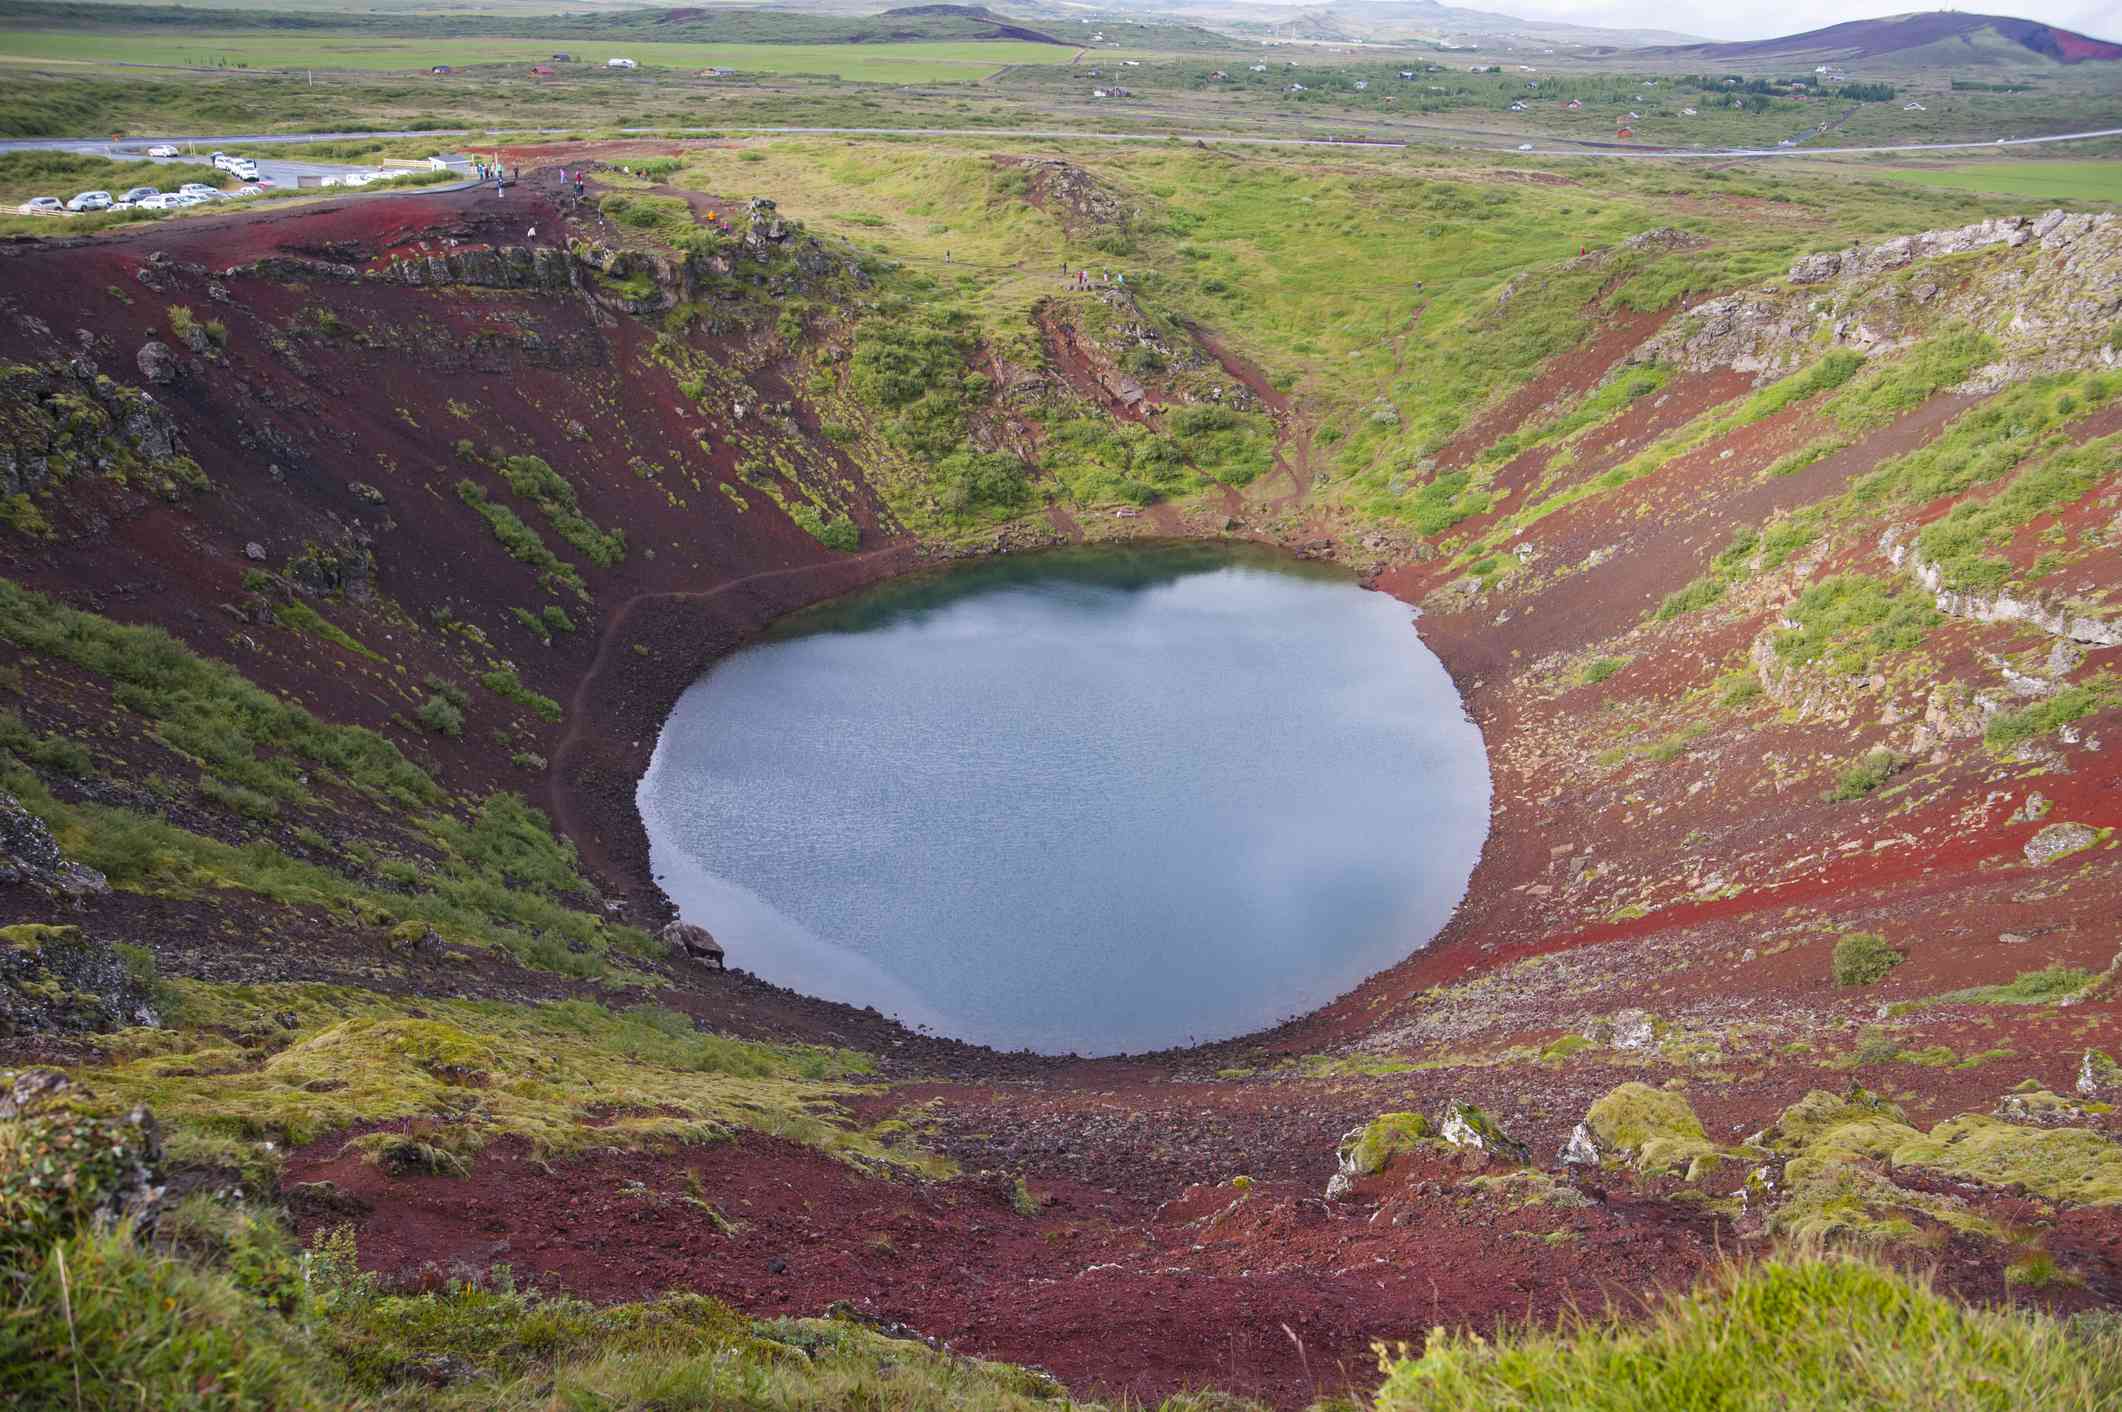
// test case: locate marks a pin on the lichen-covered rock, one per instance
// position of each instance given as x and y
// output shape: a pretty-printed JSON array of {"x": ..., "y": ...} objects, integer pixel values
[
  {"x": 2039, "y": 1107},
  {"x": 2098, "y": 1073},
  {"x": 30, "y": 856},
  {"x": 157, "y": 362},
  {"x": 1463, "y": 1125},
  {"x": 52, "y": 978},
  {"x": 65, "y": 421},
  {"x": 2059, "y": 841},
  {"x": 1634, "y": 1031},
  {"x": 1582, "y": 1149}
]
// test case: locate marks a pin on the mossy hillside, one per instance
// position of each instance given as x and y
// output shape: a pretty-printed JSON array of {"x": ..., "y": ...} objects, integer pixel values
[
  {"x": 473, "y": 890},
  {"x": 1789, "y": 1333},
  {"x": 1309, "y": 268},
  {"x": 488, "y": 874},
  {"x": 241, "y": 1073}
]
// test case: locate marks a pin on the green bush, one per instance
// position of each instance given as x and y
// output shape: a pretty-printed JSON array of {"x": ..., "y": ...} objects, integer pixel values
[
  {"x": 839, "y": 532},
  {"x": 440, "y": 715},
  {"x": 521, "y": 542},
  {"x": 1866, "y": 775},
  {"x": 1863, "y": 958},
  {"x": 537, "y": 482},
  {"x": 503, "y": 681}
]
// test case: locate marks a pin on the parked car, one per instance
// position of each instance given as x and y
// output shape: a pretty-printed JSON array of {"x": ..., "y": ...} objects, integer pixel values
[
  {"x": 199, "y": 189},
  {"x": 162, "y": 150},
  {"x": 248, "y": 191},
  {"x": 90, "y": 201},
  {"x": 141, "y": 193},
  {"x": 42, "y": 206},
  {"x": 242, "y": 169},
  {"x": 1525, "y": 147},
  {"x": 163, "y": 201}
]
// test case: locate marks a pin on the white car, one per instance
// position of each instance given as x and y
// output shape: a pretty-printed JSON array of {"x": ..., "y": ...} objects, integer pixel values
[
  {"x": 241, "y": 168},
  {"x": 42, "y": 206},
  {"x": 164, "y": 150},
  {"x": 198, "y": 189},
  {"x": 165, "y": 201},
  {"x": 90, "y": 201},
  {"x": 1525, "y": 147},
  {"x": 181, "y": 199},
  {"x": 248, "y": 191}
]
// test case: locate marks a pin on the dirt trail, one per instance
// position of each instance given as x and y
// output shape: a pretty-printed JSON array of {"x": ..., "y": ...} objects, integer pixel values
[{"x": 1293, "y": 442}]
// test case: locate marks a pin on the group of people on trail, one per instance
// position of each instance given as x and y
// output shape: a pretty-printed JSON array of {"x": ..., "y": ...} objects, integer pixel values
[
  {"x": 496, "y": 173},
  {"x": 1084, "y": 279}
]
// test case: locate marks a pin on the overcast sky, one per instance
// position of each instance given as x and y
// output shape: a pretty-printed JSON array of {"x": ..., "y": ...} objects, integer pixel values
[{"x": 1761, "y": 19}]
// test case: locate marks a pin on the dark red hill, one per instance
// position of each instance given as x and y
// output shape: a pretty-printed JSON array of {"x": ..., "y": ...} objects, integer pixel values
[{"x": 1897, "y": 34}]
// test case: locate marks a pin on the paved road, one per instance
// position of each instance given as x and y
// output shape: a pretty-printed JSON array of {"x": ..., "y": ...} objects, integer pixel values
[{"x": 132, "y": 148}]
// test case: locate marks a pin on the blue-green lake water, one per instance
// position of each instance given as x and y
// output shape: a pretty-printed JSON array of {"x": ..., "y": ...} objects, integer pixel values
[{"x": 1097, "y": 800}]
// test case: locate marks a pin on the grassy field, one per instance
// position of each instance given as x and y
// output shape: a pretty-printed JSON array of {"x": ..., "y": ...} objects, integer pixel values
[
  {"x": 2051, "y": 181},
  {"x": 961, "y": 62}
]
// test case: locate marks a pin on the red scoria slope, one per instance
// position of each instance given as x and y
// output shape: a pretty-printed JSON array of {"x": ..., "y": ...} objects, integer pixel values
[{"x": 1653, "y": 848}]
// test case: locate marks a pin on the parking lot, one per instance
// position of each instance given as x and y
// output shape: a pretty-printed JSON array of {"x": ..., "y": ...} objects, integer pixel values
[{"x": 276, "y": 172}]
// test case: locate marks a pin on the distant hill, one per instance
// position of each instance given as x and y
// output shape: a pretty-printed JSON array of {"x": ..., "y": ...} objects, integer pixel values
[
  {"x": 1940, "y": 38},
  {"x": 698, "y": 24},
  {"x": 1393, "y": 22}
]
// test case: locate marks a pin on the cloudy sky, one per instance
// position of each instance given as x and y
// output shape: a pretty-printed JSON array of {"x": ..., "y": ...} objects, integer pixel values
[{"x": 1759, "y": 19}]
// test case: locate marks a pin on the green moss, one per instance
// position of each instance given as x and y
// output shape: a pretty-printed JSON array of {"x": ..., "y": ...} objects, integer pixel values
[
  {"x": 1844, "y": 1201},
  {"x": 1654, "y": 1127},
  {"x": 2063, "y": 1164},
  {"x": 2042, "y": 987},
  {"x": 1384, "y": 1138},
  {"x": 564, "y": 1076}
]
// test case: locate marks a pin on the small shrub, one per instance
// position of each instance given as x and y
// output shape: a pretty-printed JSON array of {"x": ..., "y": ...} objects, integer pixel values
[
  {"x": 1865, "y": 776},
  {"x": 441, "y": 716},
  {"x": 1864, "y": 958},
  {"x": 1599, "y": 669}
]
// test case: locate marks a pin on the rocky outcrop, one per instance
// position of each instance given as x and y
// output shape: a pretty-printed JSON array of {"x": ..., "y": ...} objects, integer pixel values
[
  {"x": 2047, "y": 314},
  {"x": 493, "y": 267},
  {"x": 689, "y": 941},
  {"x": 1814, "y": 695},
  {"x": 30, "y": 857},
  {"x": 2052, "y": 231},
  {"x": 1079, "y": 201},
  {"x": 52, "y": 978},
  {"x": 66, "y": 420},
  {"x": 2052, "y": 614}
]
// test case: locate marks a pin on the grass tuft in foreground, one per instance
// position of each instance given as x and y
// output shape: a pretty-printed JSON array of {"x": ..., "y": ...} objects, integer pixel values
[{"x": 1787, "y": 1333}]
